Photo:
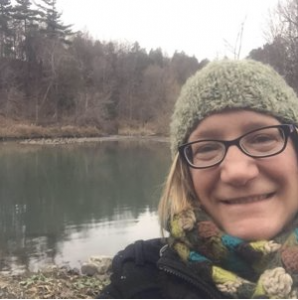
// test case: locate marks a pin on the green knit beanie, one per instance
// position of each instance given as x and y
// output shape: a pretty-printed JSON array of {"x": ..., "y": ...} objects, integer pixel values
[{"x": 231, "y": 84}]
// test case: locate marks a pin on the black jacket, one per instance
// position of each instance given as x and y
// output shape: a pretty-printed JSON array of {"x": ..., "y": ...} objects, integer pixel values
[{"x": 149, "y": 269}]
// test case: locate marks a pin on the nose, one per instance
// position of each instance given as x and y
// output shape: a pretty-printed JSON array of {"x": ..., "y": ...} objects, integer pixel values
[{"x": 237, "y": 168}]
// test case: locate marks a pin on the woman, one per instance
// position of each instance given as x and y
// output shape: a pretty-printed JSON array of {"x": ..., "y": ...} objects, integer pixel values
[{"x": 231, "y": 199}]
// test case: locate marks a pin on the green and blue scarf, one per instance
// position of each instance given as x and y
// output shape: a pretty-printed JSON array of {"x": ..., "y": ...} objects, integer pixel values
[{"x": 238, "y": 269}]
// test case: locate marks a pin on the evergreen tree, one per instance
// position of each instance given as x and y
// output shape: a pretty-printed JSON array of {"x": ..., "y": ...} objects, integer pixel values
[
  {"x": 5, "y": 28},
  {"x": 54, "y": 28},
  {"x": 25, "y": 25}
]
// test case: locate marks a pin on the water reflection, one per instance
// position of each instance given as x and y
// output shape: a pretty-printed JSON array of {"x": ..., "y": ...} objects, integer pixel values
[
  {"x": 65, "y": 203},
  {"x": 107, "y": 237}
]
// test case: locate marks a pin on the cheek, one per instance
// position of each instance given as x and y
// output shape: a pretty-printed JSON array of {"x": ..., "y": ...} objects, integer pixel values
[
  {"x": 286, "y": 164},
  {"x": 203, "y": 183},
  {"x": 281, "y": 171}
]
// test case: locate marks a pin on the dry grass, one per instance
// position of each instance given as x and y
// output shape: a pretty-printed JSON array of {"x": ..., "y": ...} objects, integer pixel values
[
  {"x": 134, "y": 128},
  {"x": 56, "y": 284},
  {"x": 16, "y": 129},
  {"x": 29, "y": 131}
]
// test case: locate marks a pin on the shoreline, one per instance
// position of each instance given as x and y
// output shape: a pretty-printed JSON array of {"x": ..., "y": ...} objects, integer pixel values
[{"x": 83, "y": 140}]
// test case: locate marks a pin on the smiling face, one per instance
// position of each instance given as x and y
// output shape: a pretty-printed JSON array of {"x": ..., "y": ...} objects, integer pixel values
[{"x": 248, "y": 198}]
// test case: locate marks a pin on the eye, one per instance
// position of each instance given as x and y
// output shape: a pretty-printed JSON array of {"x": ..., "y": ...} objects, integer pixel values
[
  {"x": 263, "y": 141},
  {"x": 262, "y": 138},
  {"x": 205, "y": 147}
]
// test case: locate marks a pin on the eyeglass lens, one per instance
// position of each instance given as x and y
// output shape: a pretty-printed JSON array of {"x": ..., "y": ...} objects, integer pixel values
[{"x": 258, "y": 143}]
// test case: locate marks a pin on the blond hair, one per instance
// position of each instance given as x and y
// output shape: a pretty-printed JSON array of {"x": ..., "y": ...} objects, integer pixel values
[{"x": 178, "y": 193}]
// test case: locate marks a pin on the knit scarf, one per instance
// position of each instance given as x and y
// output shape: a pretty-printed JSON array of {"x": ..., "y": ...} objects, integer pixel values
[{"x": 238, "y": 269}]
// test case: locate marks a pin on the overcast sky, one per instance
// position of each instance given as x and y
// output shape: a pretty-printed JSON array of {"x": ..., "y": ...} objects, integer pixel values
[{"x": 204, "y": 28}]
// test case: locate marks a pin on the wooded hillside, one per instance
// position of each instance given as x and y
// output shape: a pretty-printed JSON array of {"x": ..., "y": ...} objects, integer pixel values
[{"x": 51, "y": 75}]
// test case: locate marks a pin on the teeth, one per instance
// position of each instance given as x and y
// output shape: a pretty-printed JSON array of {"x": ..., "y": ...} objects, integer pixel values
[{"x": 248, "y": 199}]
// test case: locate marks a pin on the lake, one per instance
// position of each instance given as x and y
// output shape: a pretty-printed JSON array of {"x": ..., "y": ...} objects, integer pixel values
[{"x": 62, "y": 204}]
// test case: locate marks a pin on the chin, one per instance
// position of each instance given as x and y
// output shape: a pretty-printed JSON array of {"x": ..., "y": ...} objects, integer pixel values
[{"x": 253, "y": 234}]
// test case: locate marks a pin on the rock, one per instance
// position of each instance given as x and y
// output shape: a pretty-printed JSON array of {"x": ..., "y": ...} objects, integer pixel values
[
  {"x": 89, "y": 269},
  {"x": 103, "y": 263},
  {"x": 100, "y": 265}
]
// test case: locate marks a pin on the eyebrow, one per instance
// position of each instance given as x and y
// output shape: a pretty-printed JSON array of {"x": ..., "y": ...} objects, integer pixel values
[{"x": 216, "y": 133}]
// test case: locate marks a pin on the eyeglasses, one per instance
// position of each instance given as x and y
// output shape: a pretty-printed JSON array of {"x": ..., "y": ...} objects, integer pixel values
[{"x": 263, "y": 142}]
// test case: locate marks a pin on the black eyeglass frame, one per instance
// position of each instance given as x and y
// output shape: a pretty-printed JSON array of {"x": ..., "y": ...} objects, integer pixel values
[{"x": 288, "y": 130}]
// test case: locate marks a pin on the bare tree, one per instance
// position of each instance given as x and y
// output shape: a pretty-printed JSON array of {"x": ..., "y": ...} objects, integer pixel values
[{"x": 281, "y": 51}]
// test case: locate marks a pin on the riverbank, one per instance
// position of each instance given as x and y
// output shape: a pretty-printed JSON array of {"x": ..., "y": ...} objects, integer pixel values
[
  {"x": 54, "y": 283},
  {"x": 11, "y": 130},
  {"x": 37, "y": 135},
  {"x": 83, "y": 140}
]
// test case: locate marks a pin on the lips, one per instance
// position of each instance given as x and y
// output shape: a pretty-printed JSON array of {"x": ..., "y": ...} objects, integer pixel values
[{"x": 247, "y": 200}]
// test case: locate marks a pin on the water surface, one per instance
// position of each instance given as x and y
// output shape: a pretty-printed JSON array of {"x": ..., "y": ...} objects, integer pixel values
[{"x": 62, "y": 204}]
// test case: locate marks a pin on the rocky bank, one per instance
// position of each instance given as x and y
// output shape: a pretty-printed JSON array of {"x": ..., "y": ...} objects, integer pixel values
[{"x": 55, "y": 282}]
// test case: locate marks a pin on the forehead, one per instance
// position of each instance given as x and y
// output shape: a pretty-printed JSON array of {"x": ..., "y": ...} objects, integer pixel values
[{"x": 231, "y": 124}]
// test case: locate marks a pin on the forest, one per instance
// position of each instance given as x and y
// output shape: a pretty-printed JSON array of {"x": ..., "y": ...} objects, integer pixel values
[{"x": 53, "y": 76}]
